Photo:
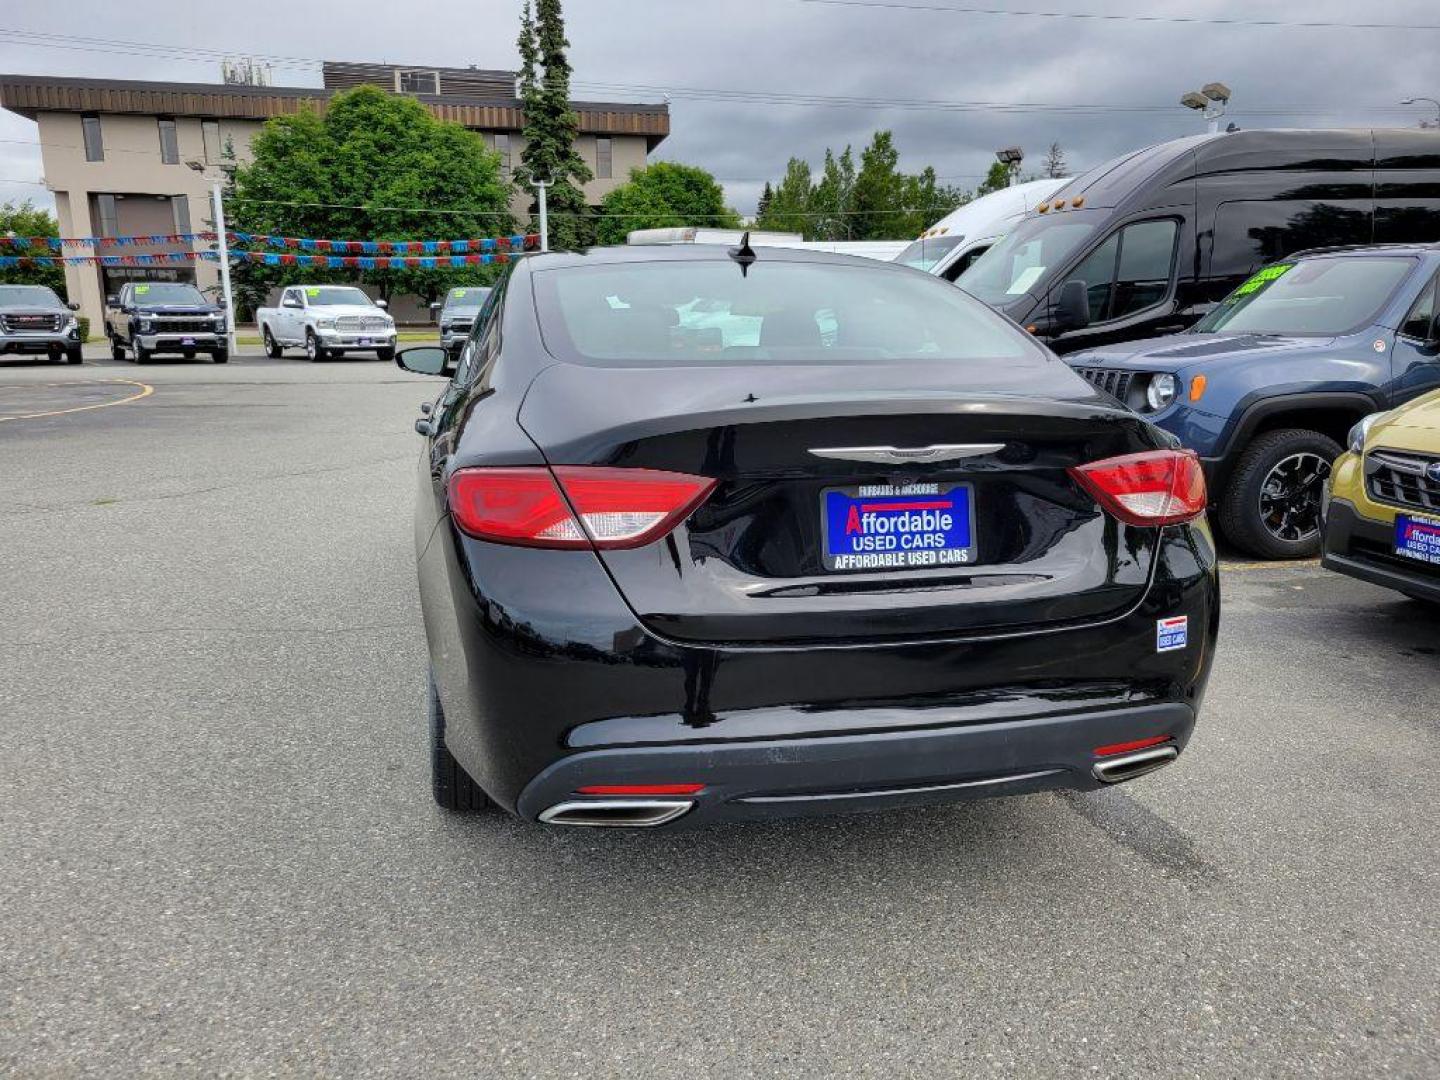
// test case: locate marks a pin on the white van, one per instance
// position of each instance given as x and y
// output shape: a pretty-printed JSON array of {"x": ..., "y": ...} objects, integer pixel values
[{"x": 958, "y": 239}]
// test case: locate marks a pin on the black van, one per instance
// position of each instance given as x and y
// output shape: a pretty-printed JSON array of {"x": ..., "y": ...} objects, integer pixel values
[{"x": 1149, "y": 242}]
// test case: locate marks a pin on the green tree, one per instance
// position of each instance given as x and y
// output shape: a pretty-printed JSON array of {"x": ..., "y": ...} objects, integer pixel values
[
  {"x": 926, "y": 202},
  {"x": 833, "y": 198},
  {"x": 26, "y": 219},
  {"x": 997, "y": 179},
  {"x": 879, "y": 210},
  {"x": 665, "y": 194},
  {"x": 789, "y": 206},
  {"x": 762, "y": 207},
  {"x": 374, "y": 166},
  {"x": 1055, "y": 166},
  {"x": 551, "y": 125}
]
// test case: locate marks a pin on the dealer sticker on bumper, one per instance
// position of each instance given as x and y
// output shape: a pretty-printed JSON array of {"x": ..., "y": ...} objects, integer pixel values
[
  {"x": 1418, "y": 538},
  {"x": 1172, "y": 633}
]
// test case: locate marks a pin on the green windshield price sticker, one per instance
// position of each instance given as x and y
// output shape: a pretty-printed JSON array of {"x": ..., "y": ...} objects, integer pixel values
[
  {"x": 312, "y": 291},
  {"x": 459, "y": 292},
  {"x": 1263, "y": 278},
  {"x": 142, "y": 289}
]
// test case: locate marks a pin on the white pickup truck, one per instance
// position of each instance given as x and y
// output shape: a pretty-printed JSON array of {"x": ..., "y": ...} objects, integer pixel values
[{"x": 325, "y": 321}]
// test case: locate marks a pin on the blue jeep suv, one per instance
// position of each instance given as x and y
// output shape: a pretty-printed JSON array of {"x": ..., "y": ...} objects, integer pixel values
[{"x": 1266, "y": 386}]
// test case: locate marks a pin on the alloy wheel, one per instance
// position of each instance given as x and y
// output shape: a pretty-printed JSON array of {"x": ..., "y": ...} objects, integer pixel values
[{"x": 1290, "y": 497}]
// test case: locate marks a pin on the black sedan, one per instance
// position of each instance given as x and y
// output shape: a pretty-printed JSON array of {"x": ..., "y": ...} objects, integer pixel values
[{"x": 709, "y": 533}]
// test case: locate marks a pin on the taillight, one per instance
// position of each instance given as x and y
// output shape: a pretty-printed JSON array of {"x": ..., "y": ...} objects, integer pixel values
[
  {"x": 539, "y": 507},
  {"x": 1157, "y": 487}
]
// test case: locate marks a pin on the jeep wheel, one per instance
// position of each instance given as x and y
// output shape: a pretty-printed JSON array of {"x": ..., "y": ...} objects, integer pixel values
[
  {"x": 1271, "y": 505},
  {"x": 314, "y": 351},
  {"x": 273, "y": 348}
]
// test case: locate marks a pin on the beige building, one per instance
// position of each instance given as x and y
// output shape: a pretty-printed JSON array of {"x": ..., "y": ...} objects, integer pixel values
[{"x": 115, "y": 153}]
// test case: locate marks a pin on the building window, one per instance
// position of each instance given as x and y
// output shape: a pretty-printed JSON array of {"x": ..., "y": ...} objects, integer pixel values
[
  {"x": 109, "y": 216},
  {"x": 181, "y": 206},
  {"x": 602, "y": 159},
  {"x": 210, "y": 136},
  {"x": 169, "y": 144},
  {"x": 419, "y": 82},
  {"x": 94, "y": 141},
  {"x": 501, "y": 142}
]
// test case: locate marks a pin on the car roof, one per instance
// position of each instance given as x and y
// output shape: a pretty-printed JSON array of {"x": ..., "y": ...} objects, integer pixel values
[
  {"x": 1361, "y": 250},
  {"x": 649, "y": 253}
]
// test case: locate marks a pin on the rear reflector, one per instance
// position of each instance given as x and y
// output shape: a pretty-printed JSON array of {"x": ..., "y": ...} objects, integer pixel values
[
  {"x": 537, "y": 507},
  {"x": 1127, "y": 747},
  {"x": 1157, "y": 487},
  {"x": 641, "y": 789}
]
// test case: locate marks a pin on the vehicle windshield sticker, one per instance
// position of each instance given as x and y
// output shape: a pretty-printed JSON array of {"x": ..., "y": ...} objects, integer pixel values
[
  {"x": 1024, "y": 280},
  {"x": 1172, "y": 633},
  {"x": 1262, "y": 278},
  {"x": 459, "y": 292},
  {"x": 141, "y": 289},
  {"x": 312, "y": 291}
]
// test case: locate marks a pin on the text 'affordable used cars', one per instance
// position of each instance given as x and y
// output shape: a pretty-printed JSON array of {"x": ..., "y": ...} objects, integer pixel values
[{"x": 710, "y": 533}]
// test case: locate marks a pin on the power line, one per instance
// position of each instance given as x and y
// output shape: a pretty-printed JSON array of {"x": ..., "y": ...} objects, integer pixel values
[{"x": 1182, "y": 20}]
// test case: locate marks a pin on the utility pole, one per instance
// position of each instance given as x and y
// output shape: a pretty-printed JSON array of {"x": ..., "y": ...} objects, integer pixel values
[
  {"x": 218, "y": 204},
  {"x": 1209, "y": 101},
  {"x": 540, "y": 186},
  {"x": 217, "y": 211}
]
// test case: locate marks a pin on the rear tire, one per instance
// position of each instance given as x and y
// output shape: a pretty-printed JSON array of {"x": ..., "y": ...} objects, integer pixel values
[
  {"x": 449, "y": 782},
  {"x": 74, "y": 355},
  {"x": 273, "y": 348},
  {"x": 313, "y": 349},
  {"x": 1271, "y": 504}
]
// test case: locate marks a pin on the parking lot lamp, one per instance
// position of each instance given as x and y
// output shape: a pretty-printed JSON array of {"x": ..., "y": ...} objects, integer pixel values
[
  {"x": 217, "y": 206},
  {"x": 1210, "y": 101},
  {"x": 1011, "y": 157},
  {"x": 540, "y": 186},
  {"x": 1416, "y": 101}
]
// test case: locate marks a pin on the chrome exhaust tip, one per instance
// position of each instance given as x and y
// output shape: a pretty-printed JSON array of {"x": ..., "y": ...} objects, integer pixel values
[
  {"x": 616, "y": 813},
  {"x": 1129, "y": 766}
]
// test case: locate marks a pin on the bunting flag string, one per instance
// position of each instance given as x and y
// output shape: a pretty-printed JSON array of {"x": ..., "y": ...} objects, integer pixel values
[
  {"x": 518, "y": 242},
  {"x": 50, "y": 261},
  {"x": 375, "y": 262},
  {"x": 57, "y": 243}
]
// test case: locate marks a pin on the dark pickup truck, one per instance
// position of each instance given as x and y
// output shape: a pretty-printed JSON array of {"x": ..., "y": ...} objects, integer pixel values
[{"x": 148, "y": 318}]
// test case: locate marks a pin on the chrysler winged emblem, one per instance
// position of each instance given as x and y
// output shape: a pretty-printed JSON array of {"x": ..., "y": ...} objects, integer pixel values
[{"x": 908, "y": 455}]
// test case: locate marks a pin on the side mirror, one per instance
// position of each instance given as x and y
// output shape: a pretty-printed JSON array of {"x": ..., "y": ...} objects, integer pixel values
[
  {"x": 73, "y": 306},
  {"x": 1072, "y": 306},
  {"x": 425, "y": 360},
  {"x": 220, "y": 301},
  {"x": 112, "y": 301},
  {"x": 382, "y": 303},
  {"x": 435, "y": 306}
]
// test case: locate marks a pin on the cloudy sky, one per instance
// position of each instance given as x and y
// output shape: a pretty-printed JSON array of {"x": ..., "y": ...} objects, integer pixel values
[{"x": 952, "y": 84}]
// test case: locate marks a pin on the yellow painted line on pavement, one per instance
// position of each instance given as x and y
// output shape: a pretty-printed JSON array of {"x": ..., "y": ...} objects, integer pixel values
[
  {"x": 1278, "y": 564},
  {"x": 145, "y": 390}
]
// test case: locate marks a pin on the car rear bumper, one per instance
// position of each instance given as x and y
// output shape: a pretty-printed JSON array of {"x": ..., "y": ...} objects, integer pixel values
[
  {"x": 862, "y": 771},
  {"x": 1361, "y": 548}
]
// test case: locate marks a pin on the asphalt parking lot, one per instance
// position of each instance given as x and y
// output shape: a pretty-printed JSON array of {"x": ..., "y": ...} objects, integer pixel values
[{"x": 218, "y": 852}]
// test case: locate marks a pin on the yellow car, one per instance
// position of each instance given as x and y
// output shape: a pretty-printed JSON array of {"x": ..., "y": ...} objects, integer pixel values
[{"x": 1382, "y": 501}]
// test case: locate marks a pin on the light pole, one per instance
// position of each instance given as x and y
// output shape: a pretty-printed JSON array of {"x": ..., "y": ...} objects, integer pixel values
[
  {"x": 217, "y": 210},
  {"x": 1011, "y": 157},
  {"x": 540, "y": 186},
  {"x": 1425, "y": 123},
  {"x": 1210, "y": 101}
]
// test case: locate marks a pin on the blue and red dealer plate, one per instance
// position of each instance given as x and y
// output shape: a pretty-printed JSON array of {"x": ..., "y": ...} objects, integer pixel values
[
  {"x": 1418, "y": 538},
  {"x": 887, "y": 527}
]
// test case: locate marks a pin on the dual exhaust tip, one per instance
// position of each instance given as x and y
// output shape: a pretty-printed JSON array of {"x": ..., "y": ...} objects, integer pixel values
[{"x": 648, "y": 813}]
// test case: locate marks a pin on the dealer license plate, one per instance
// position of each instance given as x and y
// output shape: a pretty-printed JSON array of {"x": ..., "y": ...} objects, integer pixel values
[
  {"x": 888, "y": 527},
  {"x": 362, "y": 341},
  {"x": 187, "y": 341},
  {"x": 1418, "y": 538}
]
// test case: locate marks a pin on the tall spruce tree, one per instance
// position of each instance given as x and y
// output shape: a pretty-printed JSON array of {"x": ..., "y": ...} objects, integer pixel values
[{"x": 551, "y": 125}]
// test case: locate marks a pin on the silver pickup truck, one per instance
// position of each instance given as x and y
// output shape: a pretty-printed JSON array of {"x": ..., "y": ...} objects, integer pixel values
[
  {"x": 457, "y": 314},
  {"x": 33, "y": 320}
]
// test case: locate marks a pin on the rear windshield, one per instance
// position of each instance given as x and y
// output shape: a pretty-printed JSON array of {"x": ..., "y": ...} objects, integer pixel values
[
  {"x": 28, "y": 295},
  {"x": 926, "y": 252},
  {"x": 683, "y": 311},
  {"x": 1025, "y": 256},
  {"x": 165, "y": 292},
  {"x": 1314, "y": 296}
]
